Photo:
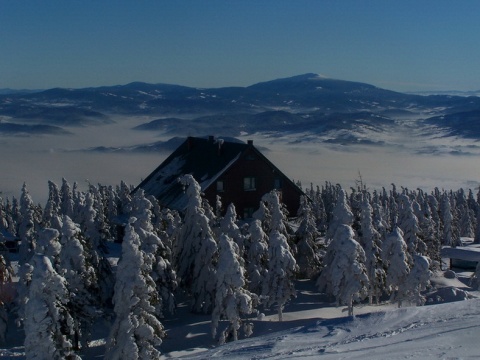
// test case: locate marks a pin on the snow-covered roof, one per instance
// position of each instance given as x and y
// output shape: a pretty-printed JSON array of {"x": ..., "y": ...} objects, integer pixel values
[
  {"x": 467, "y": 253},
  {"x": 204, "y": 159}
]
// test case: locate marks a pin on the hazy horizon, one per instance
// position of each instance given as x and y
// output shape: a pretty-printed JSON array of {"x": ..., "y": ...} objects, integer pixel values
[{"x": 405, "y": 161}]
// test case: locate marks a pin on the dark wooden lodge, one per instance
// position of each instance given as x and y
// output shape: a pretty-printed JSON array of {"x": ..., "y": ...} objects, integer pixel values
[{"x": 239, "y": 173}]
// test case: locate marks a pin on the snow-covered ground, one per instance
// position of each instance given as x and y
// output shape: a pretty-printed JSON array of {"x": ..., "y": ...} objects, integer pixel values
[
  {"x": 445, "y": 331},
  {"x": 313, "y": 327}
]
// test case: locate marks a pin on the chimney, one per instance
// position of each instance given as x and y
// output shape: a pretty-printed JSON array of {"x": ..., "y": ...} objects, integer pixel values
[
  {"x": 220, "y": 146},
  {"x": 189, "y": 143},
  {"x": 250, "y": 142}
]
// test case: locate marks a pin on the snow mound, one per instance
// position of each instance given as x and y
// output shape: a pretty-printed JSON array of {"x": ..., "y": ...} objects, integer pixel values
[{"x": 448, "y": 294}]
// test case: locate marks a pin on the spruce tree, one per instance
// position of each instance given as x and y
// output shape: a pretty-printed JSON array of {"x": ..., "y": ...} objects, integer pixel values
[
  {"x": 196, "y": 250},
  {"x": 279, "y": 285},
  {"x": 232, "y": 300},
  {"x": 396, "y": 258},
  {"x": 48, "y": 324},
  {"x": 372, "y": 243},
  {"x": 308, "y": 255},
  {"x": 344, "y": 274},
  {"x": 136, "y": 332},
  {"x": 257, "y": 257}
]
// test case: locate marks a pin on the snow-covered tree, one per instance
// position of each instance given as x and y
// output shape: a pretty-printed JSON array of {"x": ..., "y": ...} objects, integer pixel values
[
  {"x": 66, "y": 199},
  {"x": 397, "y": 260},
  {"x": 344, "y": 274},
  {"x": 80, "y": 278},
  {"x": 136, "y": 332},
  {"x": 229, "y": 227},
  {"x": 378, "y": 216},
  {"x": 52, "y": 208},
  {"x": 308, "y": 255},
  {"x": 279, "y": 286},
  {"x": 341, "y": 215},
  {"x": 48, "y": 244},
  {"x": 26, "y": 230},
  {"x": 450, "y": 231},
  {"x": 156, "y": 254},
  {"x": 257, "y": 257},
  {"x": 417, "y": 281},
  {"x": 6, "y": 294},
  {"x": 371, "y": 242},
  {"x": 96, "y": 244},
  {"x": 408, "y": 223},
  {"x": 48, "y": 324},
  {"x": 232, "y": 300},
  {"x": 196, "y": 250}
]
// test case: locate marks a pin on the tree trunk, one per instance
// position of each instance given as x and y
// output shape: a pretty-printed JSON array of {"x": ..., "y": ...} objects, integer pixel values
[{"x": 350, "y": 306}]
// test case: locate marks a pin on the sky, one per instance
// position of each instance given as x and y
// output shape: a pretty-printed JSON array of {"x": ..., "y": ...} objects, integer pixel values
[{"x": 406, "y": 45}]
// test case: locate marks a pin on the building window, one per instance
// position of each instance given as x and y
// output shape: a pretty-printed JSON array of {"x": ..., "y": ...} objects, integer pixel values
[
  {"x": 249, "y": 184},
  {"x": 220, "y": 186},
  {"x": 277, "y": 184}
]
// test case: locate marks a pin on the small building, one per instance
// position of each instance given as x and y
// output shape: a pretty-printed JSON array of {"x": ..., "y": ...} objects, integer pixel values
[
  {"x": 463, "y": 257},
  {"x": 239, "y": 173}
]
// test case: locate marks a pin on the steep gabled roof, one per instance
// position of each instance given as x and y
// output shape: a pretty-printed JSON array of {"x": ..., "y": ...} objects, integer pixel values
[{"x": 204, "y": 159}]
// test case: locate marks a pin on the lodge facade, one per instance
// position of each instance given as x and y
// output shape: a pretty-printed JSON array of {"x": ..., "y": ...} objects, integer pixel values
[{"x": 239, "y": 173}]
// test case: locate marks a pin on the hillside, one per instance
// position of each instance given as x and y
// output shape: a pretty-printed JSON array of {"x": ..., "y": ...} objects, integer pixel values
[{"x": 300, "y": 103}]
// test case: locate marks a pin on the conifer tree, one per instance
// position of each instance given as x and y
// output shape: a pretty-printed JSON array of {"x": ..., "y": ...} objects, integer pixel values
[
  {"x": 6, "y": 294},
  {"x": 417, "y": 281},
  {"x": 371, "y": 243},
  {"x": 196, "y": 250},
  {"x": 408, "y": 223},
  {"x": 26, "y": 230},
  {"x": 66, "y": 199},
  {"x": 450, "y": 234},
  {"x": 341, "y": 215},
  {"x": 155, "y": 253},
  {"x": 229, "y": 227},
  {"x": 232, "y": 300},
  {"x": 344, "y": 274},
  {"x": 80, "y": 279},
  {"x": 397, "y": 260},
  {"x": 48, "y": 330},
  {"x": 257, "y": 257},
  {"x": 52, "y": 208},
  {"x": 279, "y": 286},
  {"x": 96, "y": 244},
  {"x": 308, "y": 255},
  {"x": 136, "y": 332}
]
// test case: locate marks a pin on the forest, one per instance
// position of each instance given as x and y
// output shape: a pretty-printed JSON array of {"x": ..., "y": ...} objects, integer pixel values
[{"x": 358, "y": 245}]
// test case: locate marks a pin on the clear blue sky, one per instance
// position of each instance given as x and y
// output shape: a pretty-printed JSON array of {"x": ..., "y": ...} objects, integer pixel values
[{"x": 396, "y": 44}]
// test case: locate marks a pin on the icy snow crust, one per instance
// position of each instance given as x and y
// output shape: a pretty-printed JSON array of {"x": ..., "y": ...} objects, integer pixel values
[{"x": 429, "y": 332}]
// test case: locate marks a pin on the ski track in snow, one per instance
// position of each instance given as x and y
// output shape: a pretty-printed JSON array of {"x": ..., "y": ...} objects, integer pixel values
[{"x": 447, "y": 331}]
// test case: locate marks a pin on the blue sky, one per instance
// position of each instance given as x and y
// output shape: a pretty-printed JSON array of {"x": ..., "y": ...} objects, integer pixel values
[{"x": 401, "y": 45}]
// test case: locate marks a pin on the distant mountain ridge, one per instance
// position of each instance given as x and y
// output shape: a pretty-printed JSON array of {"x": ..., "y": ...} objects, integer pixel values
[{"x": 302, "y": 103}]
